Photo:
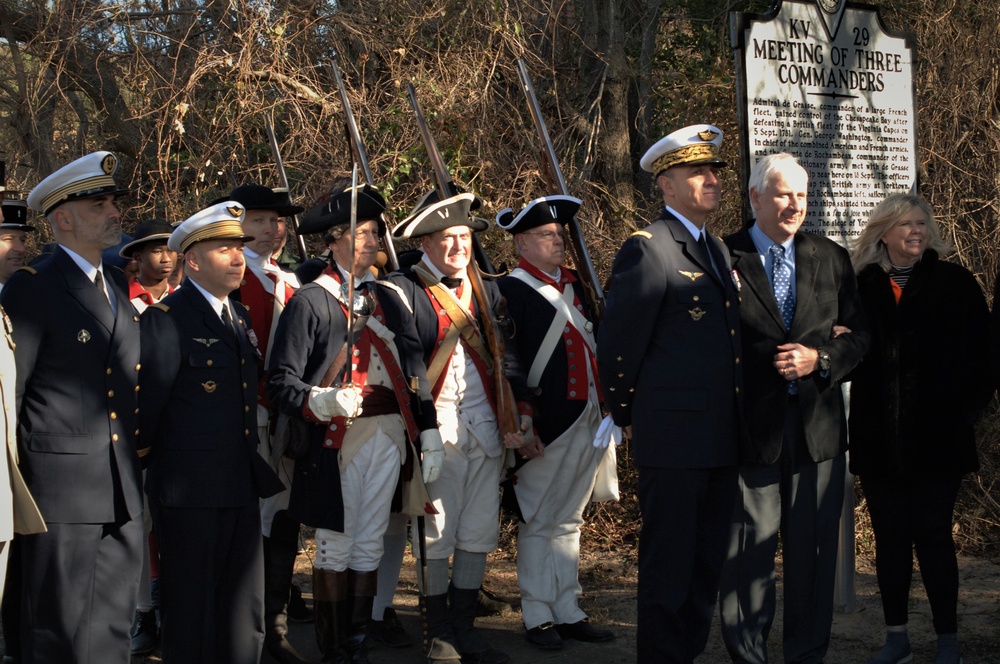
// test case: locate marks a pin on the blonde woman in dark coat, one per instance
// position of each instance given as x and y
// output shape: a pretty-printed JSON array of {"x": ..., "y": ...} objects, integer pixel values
[{"x": 914, "y": 402}]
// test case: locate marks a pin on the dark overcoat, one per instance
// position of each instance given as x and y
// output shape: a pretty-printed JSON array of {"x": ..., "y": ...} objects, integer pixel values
[{"x": 916, "y": 396}]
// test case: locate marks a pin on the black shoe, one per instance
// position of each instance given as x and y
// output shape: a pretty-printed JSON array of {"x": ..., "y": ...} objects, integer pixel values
[
  {"x": 298, "y": 612},
  {"x": 488, "y": 656},
  {"x": 144, "y": 633},
  {"x": 544, "y": 637},
  {"x": 584, "y": 631},
  {"x": 389, "y": 631},
  {"x": 490, "y": 604}
]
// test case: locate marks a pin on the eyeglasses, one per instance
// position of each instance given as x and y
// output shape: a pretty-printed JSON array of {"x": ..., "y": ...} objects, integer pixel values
[{"x": 548, "y": 236}]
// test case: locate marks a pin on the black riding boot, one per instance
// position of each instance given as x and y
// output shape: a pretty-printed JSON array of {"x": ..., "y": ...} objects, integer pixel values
[{"x": 471, "y": 643}]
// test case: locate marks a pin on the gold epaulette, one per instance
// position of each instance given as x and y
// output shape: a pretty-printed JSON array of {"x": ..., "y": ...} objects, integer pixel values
[
  {"x": 162, "y": 307},
  {"x": 28, "y": 269},
  {"x": 645, "y": 234}
]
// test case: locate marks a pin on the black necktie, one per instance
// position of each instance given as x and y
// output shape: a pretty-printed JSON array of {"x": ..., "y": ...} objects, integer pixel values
[
  {"x": 99, "y": 282},
  {"x": 228, "y": 322},
  {"x": 451, "y": 282},
  {"x": 706, "y": 253}
]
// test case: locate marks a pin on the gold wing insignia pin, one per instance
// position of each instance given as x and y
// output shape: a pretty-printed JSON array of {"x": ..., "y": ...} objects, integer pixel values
[
  {"x": 697, "y": 313},
  {"x": 693, "y": 276},
  {"x": 209, "y": 386}
]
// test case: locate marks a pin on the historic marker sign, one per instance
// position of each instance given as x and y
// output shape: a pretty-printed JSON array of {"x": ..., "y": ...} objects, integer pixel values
[{"x": 825, "y": 81}]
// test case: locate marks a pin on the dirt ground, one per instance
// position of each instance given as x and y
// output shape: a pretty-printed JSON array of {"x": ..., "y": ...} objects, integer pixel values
[{"x": 609, "y": 582}]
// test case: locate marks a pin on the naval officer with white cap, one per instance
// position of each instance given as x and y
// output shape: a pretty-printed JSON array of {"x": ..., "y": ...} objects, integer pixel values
[
  {"x": 77, "y": 358},
  {"x": 198, "y": 404},
  {"x": 668, "y": 354}
]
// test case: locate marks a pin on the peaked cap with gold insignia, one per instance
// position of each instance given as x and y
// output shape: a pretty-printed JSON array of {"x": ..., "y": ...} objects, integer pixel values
[
  {"x": 87, "y": 177},
  {"x": 690, "y": 146},
  {"x": 222, "y": 221}
]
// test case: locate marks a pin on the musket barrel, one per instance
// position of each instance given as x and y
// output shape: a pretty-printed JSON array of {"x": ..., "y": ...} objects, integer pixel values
[
  {"x": 359, "y": 155},
  {"x": 556, "y": 184},
  {"x": 283, "y": 181}
]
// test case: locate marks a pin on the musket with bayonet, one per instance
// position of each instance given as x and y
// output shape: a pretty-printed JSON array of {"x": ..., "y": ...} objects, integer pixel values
[
  {"x": 360, "y": 156},
  {"x": 556, "y": 184},
  {"x": 293, "y": 220},
  {"x": 508, "y": 419}
]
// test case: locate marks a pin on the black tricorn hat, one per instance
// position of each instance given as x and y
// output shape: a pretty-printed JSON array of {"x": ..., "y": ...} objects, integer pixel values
[
  {"x": 151, "y": 230},
  {"x": 335, "y": 210},
  {"x": 545, "y": 210},
  {"x": 15, "y": 215},
  {"x": 259, "y": 197},
  {"x": 432, "y": 214}
]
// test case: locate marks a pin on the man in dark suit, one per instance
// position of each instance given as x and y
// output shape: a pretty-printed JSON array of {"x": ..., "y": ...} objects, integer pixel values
[
  {"x": 77, "y": 358},
  {"x": 198, "y": 405},
  {"x": 668, "y": 353},
  {"x": 803, "y": 331}
]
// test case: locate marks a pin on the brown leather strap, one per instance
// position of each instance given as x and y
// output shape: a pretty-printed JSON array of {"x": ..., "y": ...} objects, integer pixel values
[
  {"x": 460, "y": 318},
  {"x": 341, "y": 357}
]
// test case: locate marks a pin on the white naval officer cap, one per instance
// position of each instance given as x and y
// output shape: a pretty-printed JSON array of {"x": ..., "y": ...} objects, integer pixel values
[
  {"x": 222, "y": 221},
  {"x": 87, "y": 177},
  {"x": 690, "y": 146}
]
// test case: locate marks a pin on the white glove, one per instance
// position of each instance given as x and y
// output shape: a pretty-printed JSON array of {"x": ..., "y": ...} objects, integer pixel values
[
  {"x": 330, "y": 402},
  {"x": 607, "y": 433},
  {"x": 432, "y": 457}
]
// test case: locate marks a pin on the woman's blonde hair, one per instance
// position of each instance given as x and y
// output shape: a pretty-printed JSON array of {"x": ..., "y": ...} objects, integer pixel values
[{"x": 869, "y": 247}]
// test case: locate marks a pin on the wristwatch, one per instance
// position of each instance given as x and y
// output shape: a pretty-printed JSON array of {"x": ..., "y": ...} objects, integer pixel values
[{"x": 824, "y": 359}]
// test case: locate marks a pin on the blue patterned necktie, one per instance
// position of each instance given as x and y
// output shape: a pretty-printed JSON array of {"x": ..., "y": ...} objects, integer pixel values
[{"x": 781, "y": 282}]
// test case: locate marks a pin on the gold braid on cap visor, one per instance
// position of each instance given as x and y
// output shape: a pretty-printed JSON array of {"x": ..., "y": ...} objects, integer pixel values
[
  {"x": 92, "y": 185},
  {"x": 686, "y": 155},
  {"x": 218, "y": 230}
]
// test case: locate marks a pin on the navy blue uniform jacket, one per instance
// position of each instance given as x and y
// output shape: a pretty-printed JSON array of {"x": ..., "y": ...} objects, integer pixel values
[
  {"x": 77, "y": 367},
  {"x": 668, "y": 349},
  {"x": 198, "y": 406}
]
